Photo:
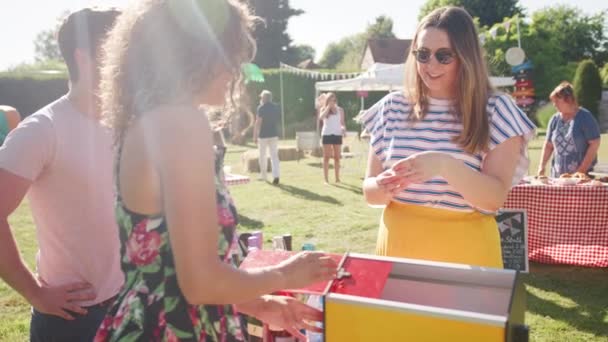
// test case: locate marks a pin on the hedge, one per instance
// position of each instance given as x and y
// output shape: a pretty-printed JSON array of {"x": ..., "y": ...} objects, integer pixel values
[
  {"x": 28, "y": 92},
  {"x": 588, "y": 87}
]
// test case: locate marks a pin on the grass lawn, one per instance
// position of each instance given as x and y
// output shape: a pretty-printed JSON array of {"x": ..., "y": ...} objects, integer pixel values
[{"x": 564, "y": 303}]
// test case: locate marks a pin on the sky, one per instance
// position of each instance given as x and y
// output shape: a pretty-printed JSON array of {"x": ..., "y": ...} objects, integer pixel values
[{"x": 323, "y": 22}]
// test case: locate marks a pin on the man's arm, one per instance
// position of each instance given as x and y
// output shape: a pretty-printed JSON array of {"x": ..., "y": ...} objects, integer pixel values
[
  {"x": 256, "y": 128},
  {"x": 24, "y": 155},
  {"x": 13, "y": 269}
]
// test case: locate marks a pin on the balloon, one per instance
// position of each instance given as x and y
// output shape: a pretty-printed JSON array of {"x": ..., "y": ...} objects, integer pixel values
[{"x": 9, "y": 119}]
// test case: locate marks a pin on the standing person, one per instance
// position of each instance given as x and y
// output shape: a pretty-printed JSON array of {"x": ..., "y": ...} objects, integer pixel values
[
  {"x": 445, "y": 153},
  {"x": 332, "y": 132},
  {"x": 177, "y": 221},
  {"x": 573, "y": 134},
  {"x": 266, "y": 135},
  {"x": 61, "y": 157}
]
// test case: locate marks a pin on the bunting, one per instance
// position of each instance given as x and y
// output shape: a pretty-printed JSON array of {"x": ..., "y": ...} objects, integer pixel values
[{"x": 316, "y": 75}]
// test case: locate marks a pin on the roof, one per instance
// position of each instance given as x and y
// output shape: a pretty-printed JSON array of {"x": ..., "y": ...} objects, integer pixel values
[
  {"x": 389, "y": 50},
  {"x": 308, "y": 64}
]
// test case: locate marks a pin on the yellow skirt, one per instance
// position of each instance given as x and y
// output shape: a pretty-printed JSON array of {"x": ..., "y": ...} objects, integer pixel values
[{"x": 417, "y": 232}]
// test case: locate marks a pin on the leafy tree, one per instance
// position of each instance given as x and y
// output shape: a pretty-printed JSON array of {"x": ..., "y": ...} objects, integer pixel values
[
  {"x": 298, "y": 53},
  {"x": 604, "y": 74},
  {"x": 546, "y": 40},
  {"x": 45, "y": 46},
  {"x": 346, "y": 54},
  {"x": 588, "y": 86},
  {"x": 381, "y": 28},
  {"x": 334, "y": 53},
  {"x": 581, "y": 36},
  {"x": 45, "y": 43},
  {"x": 488, "y": 12},
  {"x": 272, "y": 39}
]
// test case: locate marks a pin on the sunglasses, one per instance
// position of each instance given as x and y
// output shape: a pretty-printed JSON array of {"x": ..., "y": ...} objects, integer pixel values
[
  {"x": 443, "y": 56},
  {"x": 566, "y": 91}
]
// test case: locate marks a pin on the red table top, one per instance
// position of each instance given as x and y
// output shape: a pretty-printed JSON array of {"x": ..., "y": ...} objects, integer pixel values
[
  {"x": 264, "y": 258},
  {"x": 367, "y": 277}
]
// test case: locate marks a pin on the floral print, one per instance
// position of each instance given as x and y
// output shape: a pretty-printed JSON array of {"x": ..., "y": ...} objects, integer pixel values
[{"x": 151, "y": 306}]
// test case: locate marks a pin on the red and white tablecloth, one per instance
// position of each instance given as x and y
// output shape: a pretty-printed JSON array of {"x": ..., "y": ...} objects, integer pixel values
[
  {"x": 234, "y": 179},
  {"x": 566, "y": 224}
]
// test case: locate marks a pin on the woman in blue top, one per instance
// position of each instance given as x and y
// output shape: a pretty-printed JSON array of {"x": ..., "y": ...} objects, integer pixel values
[{"x": 573, "y": 135}]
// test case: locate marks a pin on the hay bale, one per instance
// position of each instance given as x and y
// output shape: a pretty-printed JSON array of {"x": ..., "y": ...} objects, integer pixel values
[
  {"x": 287, "y": 153},
  {"x": 250, "y": 161}
]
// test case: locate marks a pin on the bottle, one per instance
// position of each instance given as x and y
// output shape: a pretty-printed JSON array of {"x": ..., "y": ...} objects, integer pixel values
[
  {"x": 308, "y": 247},
  {"x": 253, "y": 243}
]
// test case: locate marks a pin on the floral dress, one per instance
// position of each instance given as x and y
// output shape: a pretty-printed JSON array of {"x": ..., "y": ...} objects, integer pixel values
[{"x": 151, "y": 306}]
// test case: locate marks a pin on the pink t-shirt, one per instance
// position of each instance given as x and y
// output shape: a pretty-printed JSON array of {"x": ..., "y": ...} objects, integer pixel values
[{"x": 68, "y": 157}]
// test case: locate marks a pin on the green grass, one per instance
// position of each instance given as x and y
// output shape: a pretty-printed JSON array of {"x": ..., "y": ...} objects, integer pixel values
[
  {"x": 544, "y": 114},
  {"x": 564, "y": 303}
]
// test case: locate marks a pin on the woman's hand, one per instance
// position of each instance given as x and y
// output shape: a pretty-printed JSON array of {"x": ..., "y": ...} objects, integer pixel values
[
  {"x": 391, "y": 183},
  {"x": 290, "y": 314},
  {"x": 541, "y": 172},
  {"x": 307, "y": 268},
  {"x": 420, "y": 167}
]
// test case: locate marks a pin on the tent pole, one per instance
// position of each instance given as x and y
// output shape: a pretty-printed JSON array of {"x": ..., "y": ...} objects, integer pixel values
[
  {"x": 316, "y": 113},
  {"x": 282, "y": 102}
]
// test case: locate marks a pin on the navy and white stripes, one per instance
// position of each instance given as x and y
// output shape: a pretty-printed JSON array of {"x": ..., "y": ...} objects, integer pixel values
[{"x": 394, "y": 137}]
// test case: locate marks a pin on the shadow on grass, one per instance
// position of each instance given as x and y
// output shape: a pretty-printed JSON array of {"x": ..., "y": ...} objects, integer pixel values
[
  {"x": 240, "y": 148},
  {"x": 586, "y": 287},
  {"x": 354, "y": 189},
  {"x": 308, "y": 195},
  {"x": 249, "y": 223},
  {"x": 320, "y": 165}
]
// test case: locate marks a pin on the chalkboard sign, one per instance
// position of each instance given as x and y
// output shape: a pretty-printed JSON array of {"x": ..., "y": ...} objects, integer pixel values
[{"x": 513, "y": 228}]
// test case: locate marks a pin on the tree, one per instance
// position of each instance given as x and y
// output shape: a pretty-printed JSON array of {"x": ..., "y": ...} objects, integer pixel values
[
  {"x": 298, "y": 53},
  {"x": 271, "y": 36},
  {"x": 604, "y": 74},
  {"x": 45, "y": 46},
  {"x": 346, "y": 54},
  {"x": 488, "y": 12},
  {"x": 382, "y": 28},
  {"x": 334, "y": 53},
  {"x": 582, "y": 36},
  {"x": 551, "y": 41},
  {"x": 588, "y": 86}
]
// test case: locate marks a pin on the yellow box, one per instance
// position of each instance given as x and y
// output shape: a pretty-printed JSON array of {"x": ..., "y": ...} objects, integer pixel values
[{"x": 424, "y": 301}]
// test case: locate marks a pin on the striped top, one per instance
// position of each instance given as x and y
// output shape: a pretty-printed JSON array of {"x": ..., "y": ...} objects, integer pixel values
[{"x": 393, "y": 137}]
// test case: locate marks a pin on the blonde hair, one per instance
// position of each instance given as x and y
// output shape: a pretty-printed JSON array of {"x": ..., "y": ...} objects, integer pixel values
[
  {"x": 473, "y": 88},
  {"x": 328, "y": 97},
  {"x": 564, "y": 91},
  {"x": 167, "y": 51}
]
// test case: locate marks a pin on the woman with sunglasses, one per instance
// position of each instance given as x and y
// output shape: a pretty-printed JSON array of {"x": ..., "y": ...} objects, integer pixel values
[
  {"x": 573, "y": 134},
  {"x": 446, "y": 151}
]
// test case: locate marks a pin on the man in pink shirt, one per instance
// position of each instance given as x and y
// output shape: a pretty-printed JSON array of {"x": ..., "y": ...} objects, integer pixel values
[{"x": 61, "y": 157}]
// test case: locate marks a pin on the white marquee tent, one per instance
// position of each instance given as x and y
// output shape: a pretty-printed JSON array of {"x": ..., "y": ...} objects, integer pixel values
[{"x": 385, "y": 77}]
